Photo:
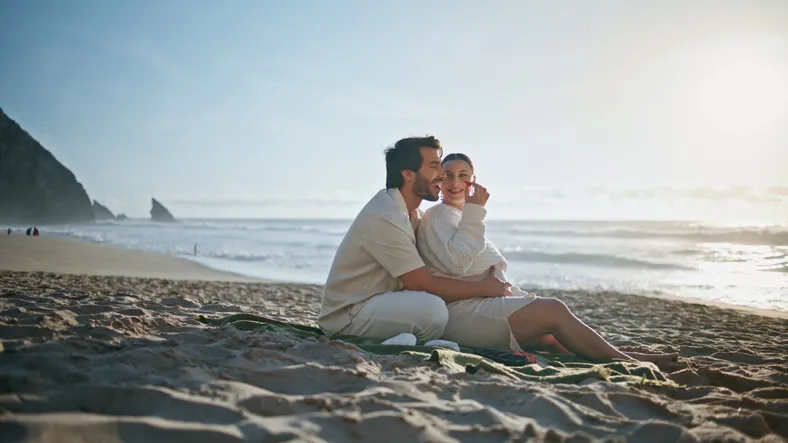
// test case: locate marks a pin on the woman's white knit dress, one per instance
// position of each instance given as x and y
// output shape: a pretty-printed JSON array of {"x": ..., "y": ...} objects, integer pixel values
[{"x": 453, "y": 244}]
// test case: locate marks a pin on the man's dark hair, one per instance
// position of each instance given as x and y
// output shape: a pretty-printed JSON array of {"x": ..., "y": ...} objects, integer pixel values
[
  {"x": 457, "y": 156},
  {"x": 405, "y": 155}
]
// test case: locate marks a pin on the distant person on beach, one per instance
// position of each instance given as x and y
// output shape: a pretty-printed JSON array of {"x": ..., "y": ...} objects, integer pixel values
[
  {"x": 378, "y": 285},
  {"x": 10, "y": 231},
  {"x": 35, "y": 231},
  {"x": 451, "y": 239},
  {"x": 29, "y": 231}
]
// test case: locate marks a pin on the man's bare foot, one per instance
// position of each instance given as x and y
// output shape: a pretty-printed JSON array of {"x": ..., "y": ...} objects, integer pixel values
[{"x": 654, "y": 358}]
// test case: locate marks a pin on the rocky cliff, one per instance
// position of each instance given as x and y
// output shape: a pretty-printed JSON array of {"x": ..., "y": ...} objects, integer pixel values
[
  {"x": 35, "y": 187},
  {"x": 159, "y": 213},
  {"x": 101, "y": 212}
]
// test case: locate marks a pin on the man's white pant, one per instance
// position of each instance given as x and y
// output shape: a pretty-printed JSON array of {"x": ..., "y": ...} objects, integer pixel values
[
  {"x": 478, "y": 322},
  {"x": 386, "y": 315}
]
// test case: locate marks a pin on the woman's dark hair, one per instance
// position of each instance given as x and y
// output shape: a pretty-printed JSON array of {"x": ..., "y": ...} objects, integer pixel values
[{"x": 457, "y": 156}]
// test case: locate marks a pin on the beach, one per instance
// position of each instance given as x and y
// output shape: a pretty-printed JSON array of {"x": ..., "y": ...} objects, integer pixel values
[
  {"x": 70, "y": 256},
  {"x": 104, "y": 344},
  {"x": 746, "y": 266}
]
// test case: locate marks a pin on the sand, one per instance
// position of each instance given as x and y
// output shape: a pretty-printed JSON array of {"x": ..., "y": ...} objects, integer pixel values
[
  {"x": 70, "y": 256},
  {"x": 104, "y": 358}
]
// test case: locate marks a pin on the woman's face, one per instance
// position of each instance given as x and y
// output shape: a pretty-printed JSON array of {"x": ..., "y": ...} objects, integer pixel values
[{"x": 453, "y": 187}]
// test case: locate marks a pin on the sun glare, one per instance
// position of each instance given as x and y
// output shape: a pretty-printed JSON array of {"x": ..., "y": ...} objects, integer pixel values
[{"x": 741, "y": 89}]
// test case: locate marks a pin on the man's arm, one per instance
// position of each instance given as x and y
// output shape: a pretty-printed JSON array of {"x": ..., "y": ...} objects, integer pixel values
[
  {"x": 451, "y": 290},
  {"x": 393, "y": 249}
]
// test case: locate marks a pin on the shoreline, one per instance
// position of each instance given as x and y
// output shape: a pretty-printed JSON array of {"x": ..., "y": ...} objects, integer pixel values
[
  {"x": 66, "y": 255},
  {"x": 771, "y": 313},
  {"x": 72, "y": 256}
]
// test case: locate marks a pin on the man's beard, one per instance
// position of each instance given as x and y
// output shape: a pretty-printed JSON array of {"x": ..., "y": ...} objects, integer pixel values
[{"x": 423, "y": 189}]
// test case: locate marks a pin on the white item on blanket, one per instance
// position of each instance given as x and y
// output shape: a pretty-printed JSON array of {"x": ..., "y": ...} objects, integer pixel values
[
  {"x": 404, "y": 339},
  {"x": 444, "y": 343}
]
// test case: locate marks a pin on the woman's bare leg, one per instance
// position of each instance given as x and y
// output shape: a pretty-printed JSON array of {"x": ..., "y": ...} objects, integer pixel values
[
  {"x": 551, "y": 316},
  {"x": 544, "y": 342}
]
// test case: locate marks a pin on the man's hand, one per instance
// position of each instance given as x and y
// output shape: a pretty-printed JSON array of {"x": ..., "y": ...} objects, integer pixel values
[
  {"x": 495, "y": 287},
  {"x": 479, "y": 196}
]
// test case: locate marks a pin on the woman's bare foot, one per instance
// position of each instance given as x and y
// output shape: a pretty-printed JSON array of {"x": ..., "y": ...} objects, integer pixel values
[{"x": 654, "y": 358}]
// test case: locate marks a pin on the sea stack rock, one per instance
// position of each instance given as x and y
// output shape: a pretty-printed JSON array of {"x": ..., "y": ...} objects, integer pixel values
[
  {"x": 35, "y": 188},
  {"x": 159, "y": 213},
  {"x": 121, "y": 217},
  {"x": 100, "y": 212}
]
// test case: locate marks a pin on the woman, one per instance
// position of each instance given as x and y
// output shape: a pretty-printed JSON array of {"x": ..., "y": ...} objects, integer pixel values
[{"x": 451, "y": 239}]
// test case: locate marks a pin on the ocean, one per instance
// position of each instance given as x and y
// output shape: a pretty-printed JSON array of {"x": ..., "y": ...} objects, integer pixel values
[{"x": 740, "y": 265}]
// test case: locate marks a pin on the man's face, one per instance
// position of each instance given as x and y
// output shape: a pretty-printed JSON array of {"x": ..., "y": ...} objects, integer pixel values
[{"x": 427, "y": 183}]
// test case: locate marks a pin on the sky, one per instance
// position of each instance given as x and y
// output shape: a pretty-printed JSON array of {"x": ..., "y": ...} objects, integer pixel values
[{"x": 569, "y": 109}]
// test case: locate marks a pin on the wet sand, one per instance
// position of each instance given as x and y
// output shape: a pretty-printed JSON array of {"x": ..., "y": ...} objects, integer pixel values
[{"x": 70, "y": 256}]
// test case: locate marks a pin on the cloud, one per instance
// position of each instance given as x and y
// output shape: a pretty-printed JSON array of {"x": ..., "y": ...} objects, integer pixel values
[
  {"x": 245, "y": 202},
  {"x": 384, "y": 103},
  {"x": 338, "y": 94},
  {"x": 780, "y": 191},
  {"x": 138, "y": 51},
  {"x": 711, "y": 194}
]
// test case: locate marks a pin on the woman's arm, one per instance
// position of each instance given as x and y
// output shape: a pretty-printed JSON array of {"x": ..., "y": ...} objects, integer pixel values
[{"x": 455, "y": 245}]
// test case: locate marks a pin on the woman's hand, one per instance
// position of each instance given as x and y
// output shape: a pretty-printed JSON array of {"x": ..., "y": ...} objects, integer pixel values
[
  {"x": 479, "y": 196},
  {"x": 495, "y": 286}
]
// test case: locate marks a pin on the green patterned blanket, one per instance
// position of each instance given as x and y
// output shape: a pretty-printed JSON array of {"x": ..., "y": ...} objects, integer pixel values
[{"x": 546, "y": 368}]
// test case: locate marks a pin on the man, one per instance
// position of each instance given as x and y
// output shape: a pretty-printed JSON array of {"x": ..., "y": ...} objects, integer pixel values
[{"x": 378, "y": 285}]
